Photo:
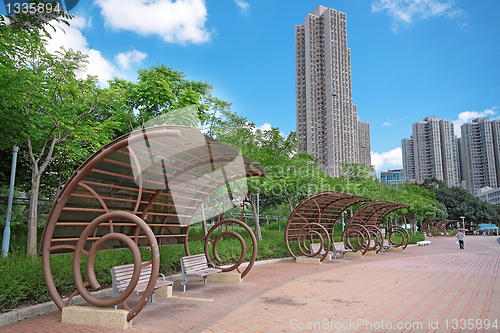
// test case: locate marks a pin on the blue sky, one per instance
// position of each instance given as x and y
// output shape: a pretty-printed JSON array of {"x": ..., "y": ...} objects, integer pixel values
[{"x": 410, "y": 58}]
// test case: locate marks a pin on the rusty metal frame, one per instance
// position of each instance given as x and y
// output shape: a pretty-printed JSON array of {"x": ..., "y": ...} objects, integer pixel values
[
  {"x": 441, "y": 225},
  {"x": 426, "y": 224},
  {"x": 315, "y": 218},
  {"x": 371, "y": 216},
  {"x": 105, "y": 202}
]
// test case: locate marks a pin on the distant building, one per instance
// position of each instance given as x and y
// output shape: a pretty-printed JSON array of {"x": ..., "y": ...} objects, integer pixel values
[
  {"x": 408, "y": 160},
  {"x": 495, "y": 131},
  {"x": 427, "y": 149},
  {"x": 449, "y": 153},
  {"x": 327, "y": 121},
  {"x": 365, "y": 156},
  {"x": 478, "y": 154},
  {"x": 435, "y": 152},
  {"x": 393, "y": 177},
  {"x": 490, "y": 195}
]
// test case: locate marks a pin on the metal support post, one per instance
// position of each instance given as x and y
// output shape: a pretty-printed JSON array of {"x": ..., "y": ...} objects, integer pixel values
[{"x": 6, "y": 231}]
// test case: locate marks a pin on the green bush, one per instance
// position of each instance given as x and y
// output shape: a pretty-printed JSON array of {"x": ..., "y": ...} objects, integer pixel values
[
  {"x": 417, "y": 237},
  {"x": 22, "y": 279}
]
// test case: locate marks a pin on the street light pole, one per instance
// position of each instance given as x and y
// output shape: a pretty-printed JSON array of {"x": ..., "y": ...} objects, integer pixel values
[{"x": 6, "y": 230}]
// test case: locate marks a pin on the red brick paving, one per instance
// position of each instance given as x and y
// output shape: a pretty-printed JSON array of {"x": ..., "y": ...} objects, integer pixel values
[{"x": 417, "y": 287}]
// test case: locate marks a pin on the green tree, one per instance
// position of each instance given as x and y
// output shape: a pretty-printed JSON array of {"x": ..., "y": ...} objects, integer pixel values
[
  {"x": 45, "y": 109},
  {"x": 360, "y": 180},
  {"x": 159, "y": 90},
  {"x": 459, "y": 203}
]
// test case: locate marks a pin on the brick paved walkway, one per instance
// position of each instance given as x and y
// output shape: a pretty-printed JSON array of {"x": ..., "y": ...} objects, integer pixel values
[{"x": 436, "y": 288}]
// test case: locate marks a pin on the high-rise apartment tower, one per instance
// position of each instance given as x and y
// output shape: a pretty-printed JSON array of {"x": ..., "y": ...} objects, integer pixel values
[
  {"x": 432, "y": 152},
  {"x": 478, "y": 153},
  {"x": 408, "y": 160},
  {"x": 364, "y": 142},
  {"x": 327, "y": 122},
  {"x": 427, "y": 149}
]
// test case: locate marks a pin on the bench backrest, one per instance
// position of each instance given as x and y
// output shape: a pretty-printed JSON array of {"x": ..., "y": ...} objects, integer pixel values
[
  {"x": 196, "y": 262},
  {"x": 123, "y": 274},
  {"x": 339, "y": 246},
  {"x": 314, "y": 247},
  {"x": 372, "y": 243}
]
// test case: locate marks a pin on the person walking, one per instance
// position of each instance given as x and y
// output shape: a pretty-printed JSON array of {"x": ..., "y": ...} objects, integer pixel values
[{"x": 460, "y": 238}]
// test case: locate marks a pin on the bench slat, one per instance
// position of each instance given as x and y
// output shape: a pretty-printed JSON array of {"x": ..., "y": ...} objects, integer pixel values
[
  {"x": 196, "y": 266},
  {"x": 122, "y": 275}
]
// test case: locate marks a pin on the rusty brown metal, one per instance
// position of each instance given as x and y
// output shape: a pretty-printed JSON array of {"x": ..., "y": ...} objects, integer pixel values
[
  {"x": 244, "y": 247},
  {"x": 371, "y": 216},
  {"x": 441, "y": 225},
  {"x": 319, "y": 213},
  {"x": 143, "y": 189},
  {"x": 313, "y": 220},
  {"x": 358, "y": 232},
  {"x": 426, "y": 224}
]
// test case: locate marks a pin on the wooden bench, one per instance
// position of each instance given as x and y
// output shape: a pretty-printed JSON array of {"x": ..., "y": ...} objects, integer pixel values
[
  {"x": 196, "y": 267},
  {"x": 386, "y": 245},
  {"x": 339, "y": 248},
  {"x": 314, "y": 247},
  {"x": 121, "y": 276}
]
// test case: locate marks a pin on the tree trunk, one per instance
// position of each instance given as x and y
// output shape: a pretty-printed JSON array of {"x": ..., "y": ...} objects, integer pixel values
[
  {"x": 412, "y": 218},
  {"x": 36, "y": 174},
  {"x": 258, "y": 234},
  {"x": 289, "y": 199},
  {"x": 33, "y": 214}
]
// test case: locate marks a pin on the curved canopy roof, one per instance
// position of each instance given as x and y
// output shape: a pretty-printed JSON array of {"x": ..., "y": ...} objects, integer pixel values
[
  {"x": 162, "y": 174},
  {"x": 425, "y": 225},
  {"x": 441, "y": 225},
  {"x": 324, "y": 208},
  {"x": 374, "y": 213}
]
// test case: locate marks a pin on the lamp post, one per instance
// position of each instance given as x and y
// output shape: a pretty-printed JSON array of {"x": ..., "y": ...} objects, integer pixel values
[{"x": 6, "y": 230}]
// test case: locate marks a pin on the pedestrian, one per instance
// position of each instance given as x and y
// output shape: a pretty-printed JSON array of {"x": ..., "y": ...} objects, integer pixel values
[{"x": 460, "y": 238}]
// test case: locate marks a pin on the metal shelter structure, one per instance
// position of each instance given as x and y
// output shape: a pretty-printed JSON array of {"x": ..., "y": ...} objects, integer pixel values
[
  {"x": 314, "y": 220},
  {"x": 370, "y": 217},
  {"x": 427, "y": 227},
  {"x": 441, "y": 225},
  {"x": 145, "y": 189}
]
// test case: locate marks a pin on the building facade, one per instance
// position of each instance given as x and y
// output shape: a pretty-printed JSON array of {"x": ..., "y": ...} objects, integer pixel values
[
  {"x": 490, "y": 195},
  {"x": 495, "y": 131},
  {"x": 408, "y": 160},
  {"x": 427, "y": 149},
  {"x": 365, "y": 156},
  {"x": 478, "y": 154},
  {"x": 393, "y": 177},
  {"x": 432, "y": 151},
  {"x": 449, "y": 153},
  {"x": 327, "y": 122}
]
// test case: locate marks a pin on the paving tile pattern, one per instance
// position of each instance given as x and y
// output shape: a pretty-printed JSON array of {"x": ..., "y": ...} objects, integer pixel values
[{"x": 437, "y": 288}]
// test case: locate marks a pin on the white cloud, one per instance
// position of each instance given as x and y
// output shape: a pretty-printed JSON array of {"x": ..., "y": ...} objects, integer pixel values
[
  {"x": 386, "y": 124},
  {"x": 393, "y": 159},
  {"x": 265, "y": 127},
  {"x": 175, "y": 22},
  {"x": 468, "y": 116},
  {"x": 244, "y": 7},
  {"x": 72, "y": 38},
  {"x": 406, "y": 12},
  {"x": 131, "y": 57}
]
